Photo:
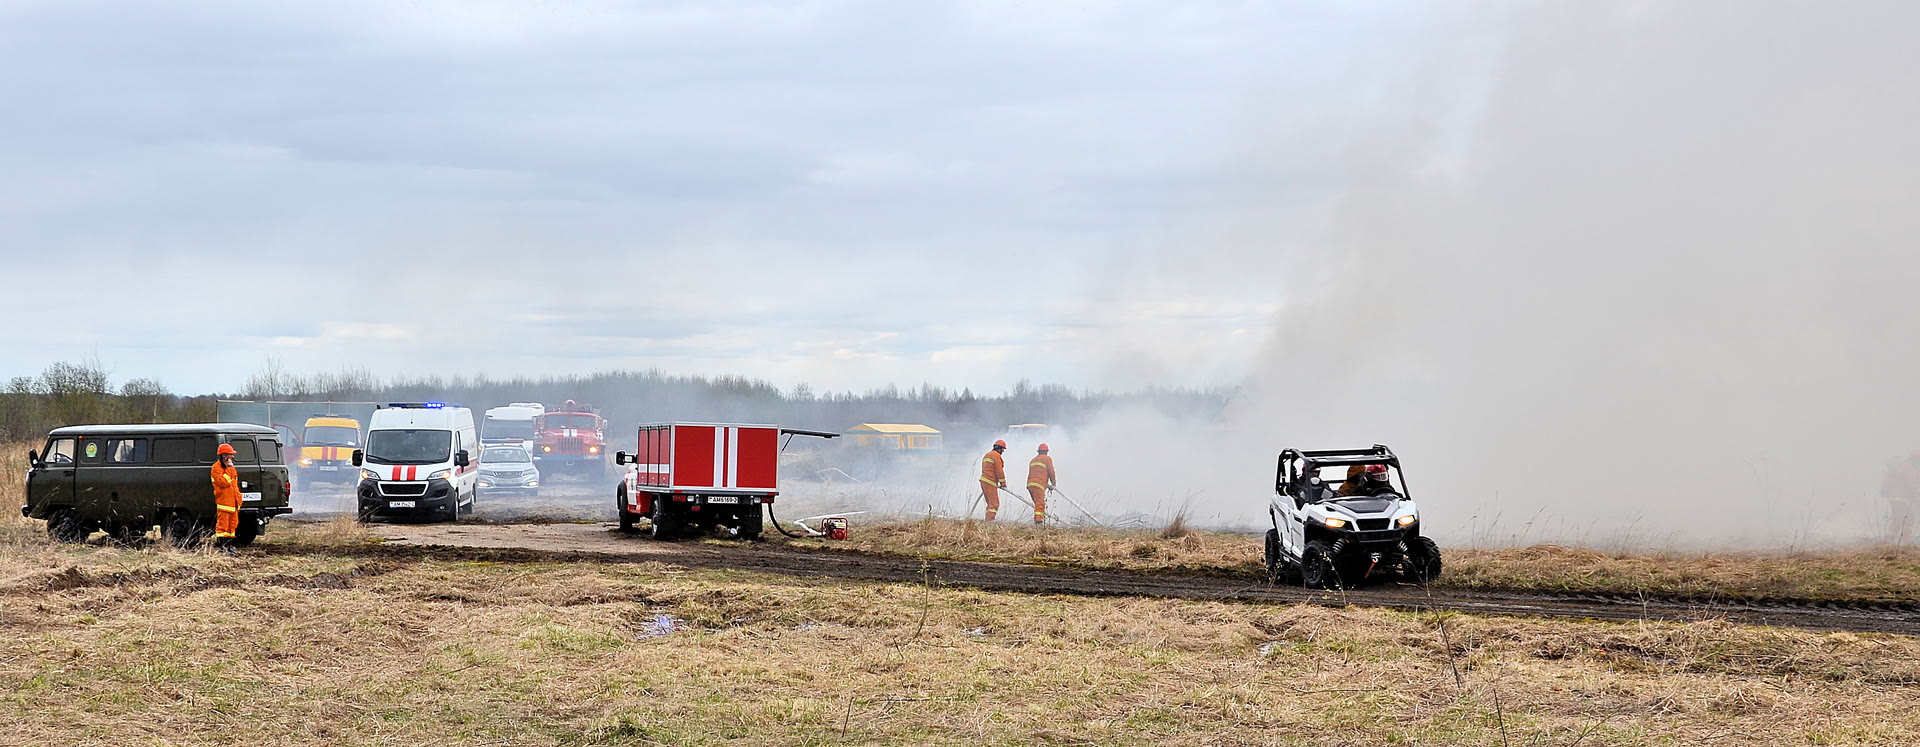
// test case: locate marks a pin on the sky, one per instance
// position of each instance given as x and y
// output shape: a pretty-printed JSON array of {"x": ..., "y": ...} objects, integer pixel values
[{"x": 847, "y": 194}]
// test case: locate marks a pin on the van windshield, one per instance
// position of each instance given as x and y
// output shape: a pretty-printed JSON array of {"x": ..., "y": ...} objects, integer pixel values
[
  {"x": 331, "y": 435},
  {"x": 409, "y": 446},
  {"x": 498, "y": 428}
]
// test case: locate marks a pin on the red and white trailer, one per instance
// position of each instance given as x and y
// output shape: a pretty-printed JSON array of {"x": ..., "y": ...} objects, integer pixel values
[{"x": 701, "y": 475}]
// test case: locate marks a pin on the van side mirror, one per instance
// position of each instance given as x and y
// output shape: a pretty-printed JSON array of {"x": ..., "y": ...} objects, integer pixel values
[
  {"x": 619, "y": 457},
  {"x": 460, "y": 458},
  {"x": 356, "y": 457},
  {"x": 33, "y": 459}
]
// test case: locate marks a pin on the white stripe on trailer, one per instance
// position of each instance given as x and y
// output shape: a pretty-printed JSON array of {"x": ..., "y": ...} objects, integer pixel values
[
  {"x": 733, "y": 457},
  {"x": 719, "y": 456}
]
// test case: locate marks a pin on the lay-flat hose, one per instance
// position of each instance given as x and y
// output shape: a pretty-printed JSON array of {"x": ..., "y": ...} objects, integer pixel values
[{"x": 783, "y": 530}]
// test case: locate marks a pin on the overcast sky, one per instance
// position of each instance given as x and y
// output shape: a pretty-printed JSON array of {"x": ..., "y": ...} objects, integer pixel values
[{"x": 842, "y": 193}]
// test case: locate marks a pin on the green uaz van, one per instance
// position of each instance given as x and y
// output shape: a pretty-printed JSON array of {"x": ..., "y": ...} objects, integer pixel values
[{"x": 127, "y": 479}]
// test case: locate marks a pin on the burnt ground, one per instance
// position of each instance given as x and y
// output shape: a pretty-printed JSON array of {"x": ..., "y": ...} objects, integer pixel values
[{"x": 603, "y": 542}]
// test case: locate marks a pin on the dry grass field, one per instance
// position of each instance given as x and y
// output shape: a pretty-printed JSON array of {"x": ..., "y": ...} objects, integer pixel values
[
  {"x": 1867, "y": 574},
  {"x": 298, "y": 646},
  {"x": 297, "y": 643}
]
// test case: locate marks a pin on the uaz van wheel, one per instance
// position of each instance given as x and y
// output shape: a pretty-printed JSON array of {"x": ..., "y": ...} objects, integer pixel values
[
  {"x": 65, "y": 526},
  {"x": 1316, "y": 566},
  {"x": 183, "y": 531}
]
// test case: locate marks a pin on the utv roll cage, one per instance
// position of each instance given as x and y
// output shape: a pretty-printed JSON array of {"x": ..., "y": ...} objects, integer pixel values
[{"x": 1299, "y": 466}]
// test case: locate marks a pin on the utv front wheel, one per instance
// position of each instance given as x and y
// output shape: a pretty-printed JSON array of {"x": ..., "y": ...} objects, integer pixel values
[
  {"x": 1423, "y": 560},
  {"x": 1316, "y": 566}
]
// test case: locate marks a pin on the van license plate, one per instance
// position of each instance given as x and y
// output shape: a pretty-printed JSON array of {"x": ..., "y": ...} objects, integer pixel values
[
  {"x": 723, "y": 499},
  {"x": 400, "y": 504}
]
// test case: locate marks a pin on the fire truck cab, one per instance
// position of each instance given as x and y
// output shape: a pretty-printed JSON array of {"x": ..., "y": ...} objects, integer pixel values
[{"x": 570, "y": 438}]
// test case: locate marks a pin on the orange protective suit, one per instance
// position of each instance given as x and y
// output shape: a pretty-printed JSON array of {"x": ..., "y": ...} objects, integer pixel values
[
  {"x": 1040, "y": 476},
  {"x": 993, "y": 476},
  {"x": 226, "y": 500}
]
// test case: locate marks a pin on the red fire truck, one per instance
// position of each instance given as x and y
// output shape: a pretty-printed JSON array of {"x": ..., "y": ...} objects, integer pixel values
[
  {"x": 572, "y": 439},
  {"x": 694, "y": 477}
]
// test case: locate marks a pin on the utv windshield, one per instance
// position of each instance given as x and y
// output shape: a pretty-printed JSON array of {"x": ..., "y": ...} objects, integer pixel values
[
  {"x": 409, "y": 446},
  {"x": 497, "y": 456},
  {"x": 521, "y": 429},
  {"x": 331, "y": 435},
  {"x": 568, "y": 421}
]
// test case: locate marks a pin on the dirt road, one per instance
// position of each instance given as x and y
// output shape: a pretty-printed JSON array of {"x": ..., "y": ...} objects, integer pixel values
[{"x": 604, "y": 542}]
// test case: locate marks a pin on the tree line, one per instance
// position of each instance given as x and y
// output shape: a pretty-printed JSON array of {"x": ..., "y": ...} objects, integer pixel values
[{"x": 78, "y": 393}]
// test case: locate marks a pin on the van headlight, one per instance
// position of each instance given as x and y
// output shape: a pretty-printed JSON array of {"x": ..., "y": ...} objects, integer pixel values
[
  {"x": 1334, "y": 522},
  {"x": 1406, "y": 521},
  {"x": 367, "y": 474},
  {"x": 440, "y": 474}
]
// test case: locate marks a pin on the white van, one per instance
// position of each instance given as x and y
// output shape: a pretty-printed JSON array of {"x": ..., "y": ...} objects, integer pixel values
[
  {"x": 421, "y": 459},
  {"x": 511, "y": 425}
]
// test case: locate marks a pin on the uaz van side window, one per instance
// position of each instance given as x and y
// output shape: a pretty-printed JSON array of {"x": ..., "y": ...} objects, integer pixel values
[
  {"x": 269, "y": 451},
  {"x": 243, "y": 450},
  {"x": 127, "y": 451},
  {"x": 173, "y": 451}
]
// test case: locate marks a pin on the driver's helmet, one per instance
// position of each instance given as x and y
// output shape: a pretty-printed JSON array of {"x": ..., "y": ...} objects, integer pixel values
[{"x": 1377, "y": 473}]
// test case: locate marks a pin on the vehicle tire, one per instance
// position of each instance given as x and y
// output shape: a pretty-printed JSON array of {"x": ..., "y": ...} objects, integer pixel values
[
  {"x": 452, "y": 510},
  {"x": 182, "y": 530},
  {"x": 65, "y": 525},
  {"x": 1422, "y": 564},
  {"x": 666, "y": 526},
  {"x": 246, "y": 532},
  {"x": 751, "y": 524},
  {"x": 473, "y": 502},
  {"x": 627, "y": 518},
  {"x": 1317, "y": 569},
  {"x": 128, "y": 534}
]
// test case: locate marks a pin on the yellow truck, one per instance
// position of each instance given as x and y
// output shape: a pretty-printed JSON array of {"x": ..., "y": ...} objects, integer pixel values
[{"x": 327, "y": 443}]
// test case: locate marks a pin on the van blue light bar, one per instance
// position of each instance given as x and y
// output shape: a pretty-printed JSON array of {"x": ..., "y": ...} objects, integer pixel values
[{"x": 418, "y": 405}]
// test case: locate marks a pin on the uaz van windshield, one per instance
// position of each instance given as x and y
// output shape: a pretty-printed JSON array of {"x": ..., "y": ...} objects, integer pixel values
[{"x": 409, "y": 446}]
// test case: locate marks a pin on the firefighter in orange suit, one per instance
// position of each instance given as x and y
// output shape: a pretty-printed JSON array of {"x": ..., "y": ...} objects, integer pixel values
[
  {"x": 1040, "y": 478},
  {"x": 993, "y": 478},
  {"x": 226, "y": 499}
]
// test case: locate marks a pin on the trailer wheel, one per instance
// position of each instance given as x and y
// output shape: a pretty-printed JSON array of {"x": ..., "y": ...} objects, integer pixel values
[
  {"x": 65, "y": 526},
  {"x": 1422, "y": 563},
  {"x": 665, "y": 526},
  {"x": 1316, "y": 566},
  {"x": 182, "y": 530}
]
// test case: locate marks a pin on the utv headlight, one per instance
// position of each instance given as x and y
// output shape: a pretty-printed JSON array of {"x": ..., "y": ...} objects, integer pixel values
[
  {"x": 1406, "y": 521},
  {"x": 367, "y": 474},
  {"x": 1334, "y": 522},
  {"x": 440, "y": 474}
]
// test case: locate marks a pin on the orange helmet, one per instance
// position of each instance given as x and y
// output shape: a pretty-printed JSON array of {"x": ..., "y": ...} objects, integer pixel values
[
  {"x": 1000, "y": 444},
  {"x": 1043, "y": 448},
  {"x": 224, "y": 449}
]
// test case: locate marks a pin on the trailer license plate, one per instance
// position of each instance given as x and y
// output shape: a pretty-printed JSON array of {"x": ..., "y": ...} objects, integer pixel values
[
  {"x": 723, "y": 499},
  {"x": 399, "y": 504}
]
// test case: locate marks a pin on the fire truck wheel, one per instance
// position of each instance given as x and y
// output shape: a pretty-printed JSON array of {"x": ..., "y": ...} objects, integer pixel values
[
  {"x": 665, "y": 525},
  {"x": 627, "y": 518},
  {"x": 751, "y": 524}
]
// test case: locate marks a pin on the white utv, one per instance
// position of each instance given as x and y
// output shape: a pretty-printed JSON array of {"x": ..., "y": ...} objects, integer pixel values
[{"x": 1347, "y": 526}]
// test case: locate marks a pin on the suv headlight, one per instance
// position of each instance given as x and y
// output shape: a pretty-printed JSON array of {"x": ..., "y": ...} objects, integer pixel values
[
  {"x": 1406, "y": 521},
  {"x": 439, "y": 474},
  {"x": 367, "y": 474},
  {"x": 306, "y": 461},
  {"x": 1334, "y": 522}
]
